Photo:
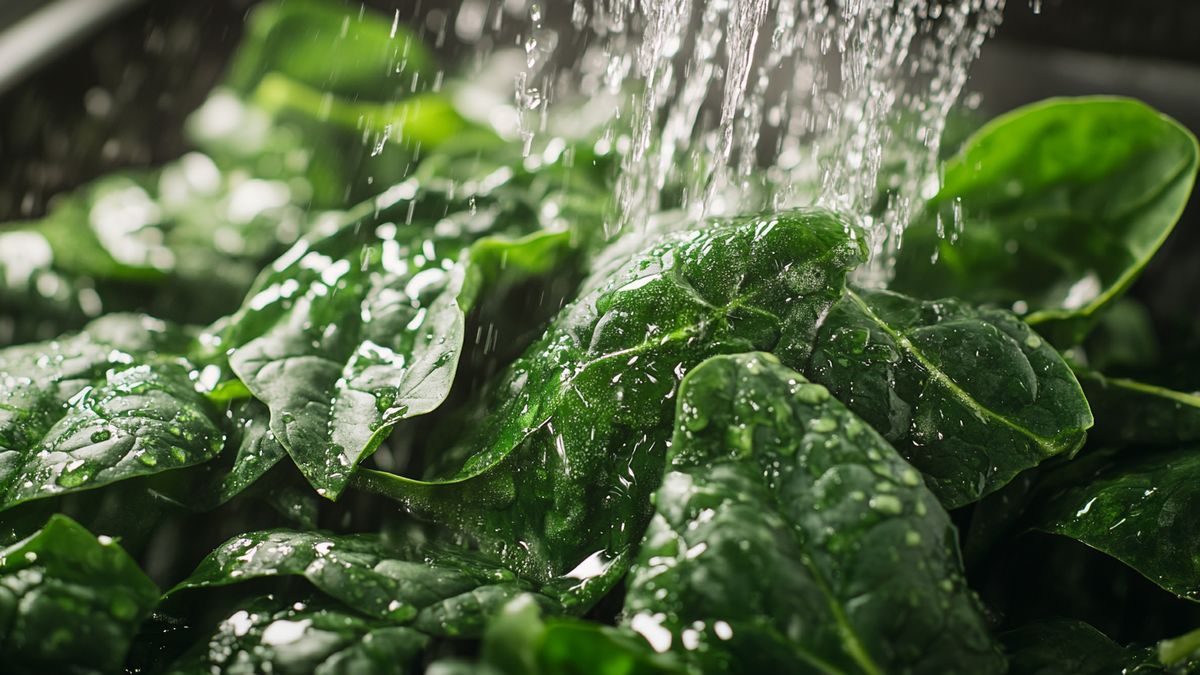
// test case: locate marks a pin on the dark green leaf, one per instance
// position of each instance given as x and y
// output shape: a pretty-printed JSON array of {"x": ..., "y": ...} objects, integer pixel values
[
  {"x": 1064, "y": 647},
  {"x": 521, "y": 642},
  {"x": 560, "y": 474},
  {"x": 269, "y": 635},
  {"x": 439, "y": 592},
  {"x": 1062, "y": 204},
  {"x": 69, "y": 602},
  {"x": 1139, "y": 509},
  {"x": 1128, "y": 411},
  {"x": 99, "y": 407},
  {"x": 1068, "y": 647},
  {"x": 970, "y": 396},
  {"x": 787, "y": 532},
  {"x": 250, "y": 452},
  {"x": 1124, "y": 339},
  {"x": 355, "y": 330}
]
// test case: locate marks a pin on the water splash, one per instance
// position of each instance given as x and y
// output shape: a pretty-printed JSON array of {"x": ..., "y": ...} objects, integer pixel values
[{"x": 741, "y": 105}]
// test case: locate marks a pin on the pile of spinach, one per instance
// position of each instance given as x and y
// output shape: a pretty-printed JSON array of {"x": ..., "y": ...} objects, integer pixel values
[{"x": 300, "y": 403}]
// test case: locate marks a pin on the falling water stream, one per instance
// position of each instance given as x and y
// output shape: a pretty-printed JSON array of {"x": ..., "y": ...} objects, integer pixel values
[{"x": 742, "y": 105}]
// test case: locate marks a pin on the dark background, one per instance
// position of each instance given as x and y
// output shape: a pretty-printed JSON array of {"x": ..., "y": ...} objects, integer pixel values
[{"x": 118, "y": 98}]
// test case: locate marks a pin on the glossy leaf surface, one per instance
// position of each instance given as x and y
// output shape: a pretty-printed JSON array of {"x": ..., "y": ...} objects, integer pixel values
[
  {"x": 1128, "y": 411},
  {"x": 1061, "y": 205},
  {"x": 98, "y": 407},
  {"x": 1065, "y": 647},
  {"x": 439, "y": 592},
  {"x": 574, "y": 445},
  {"x": 970, "y": 396},
  {"x": 788, "y": 534},
  {"x": 69, "y": 601},
  {"x": 354, "y": 330},
  {"x": 268, "y": 635},
  {"x": 520, "y": 640},
  {"x": 1137, "y": 507}
]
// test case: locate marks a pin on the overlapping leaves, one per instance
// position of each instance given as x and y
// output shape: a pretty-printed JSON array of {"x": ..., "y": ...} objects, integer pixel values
[
  {"x": 578, "y": 428},
  {"x": 787, "y": 532}
]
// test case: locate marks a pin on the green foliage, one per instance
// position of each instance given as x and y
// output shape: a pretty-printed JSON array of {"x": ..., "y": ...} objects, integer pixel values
[
  {"x": 105, "y": 405},
  {"x": 352, "y": 331},
  {"x": 69, "y": 601},
  {"x": 1062, "y": 204},
  {"x": 789, "y": 534},
  {"x": 970, "y": 396},
  {"x": 443, "y": 421},
  {"x": 574, "y": 446},
  {"x": 1136, "y": 508},
  {"x": 270, "y": 635}
]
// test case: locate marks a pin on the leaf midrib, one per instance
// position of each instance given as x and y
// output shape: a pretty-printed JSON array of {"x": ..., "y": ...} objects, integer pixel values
[{"x": 1052, "y": 446}]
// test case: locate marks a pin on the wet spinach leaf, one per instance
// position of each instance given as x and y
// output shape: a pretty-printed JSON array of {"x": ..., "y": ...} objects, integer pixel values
[
  {"x": 436, "y": 591},
  {"x": 356, "y": 329},
  {"x": 970, "y": 396},
  {"x": 332, "y": 46},
  {"x": 787, "y": 532},
  {"x": 1128, "y": 411},
  {"x": 251, "y": 450},
  {"x": 107, "y": 404},
  {"x": 521, "y": 641},
  {"x": 1137, "y": 507},
  {"x": 69, "y": 600},
  {"x": 559, "y": 476},
  {"x": 1076, "y": 648},
  {"x": 1061, "y": 205},
  {"x": 1066, "y": 647},
  {"x": 272, "y": 635}
]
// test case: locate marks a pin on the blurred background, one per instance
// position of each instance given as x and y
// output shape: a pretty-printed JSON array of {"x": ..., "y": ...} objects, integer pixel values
[{"x": 114, "y": 79}]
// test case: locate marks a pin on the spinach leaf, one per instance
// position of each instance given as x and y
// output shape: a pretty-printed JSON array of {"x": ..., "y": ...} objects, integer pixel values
[
  {"x": 352, "y": 331},
  {"x": 336, "y": 47},
  {"x": 440, "y": 592},
  {"x": 185, "y": 241},
  {"x": 1128, "y": 411},
  {"x": 271, "y": 635},
  {"x": 251, "y": 450},
  {"x": 559, "y": 476},
  {"x": 101, "y": 406},
  {"x": 970, "y": 396},
  {"x": 1066, "y": 647},
  {"x": 69, "y": 601},
  {"x": 182, "y": 243},
  {"x": 1137, "y": 508},
  {"x": 788, "y": 532},
  {"x": 521, "y": 641},
  {"x": 1076, "y": 648},
  {"x": 1061, "y": 205}
]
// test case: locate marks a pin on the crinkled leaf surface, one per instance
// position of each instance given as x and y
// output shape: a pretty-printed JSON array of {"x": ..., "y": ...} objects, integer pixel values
[
  {"x": 788, "y": 534},
  {"x": 269, "y": 635},
  {"x": 351, "y": 332},
  {"x": 1062, "y": 204},
  {"x": 439, "y": 592},
  {"x": 98, "y": 407},
  {"x": 1139, "y": 508},
  {"x": 69, "y": 600},
  {"x": 559, "y": 477},
  {"x": 1128, "y": 411},
  {"x": 970, "y": 396}
]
